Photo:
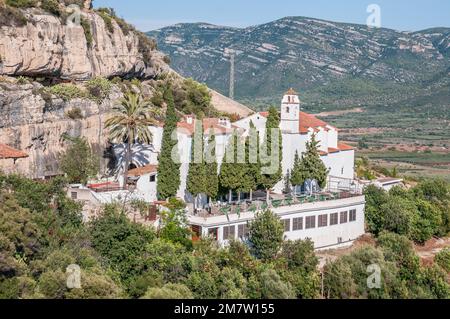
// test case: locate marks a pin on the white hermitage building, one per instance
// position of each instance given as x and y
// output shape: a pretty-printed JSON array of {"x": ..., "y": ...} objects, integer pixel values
[{"x": 333, "y": 218}]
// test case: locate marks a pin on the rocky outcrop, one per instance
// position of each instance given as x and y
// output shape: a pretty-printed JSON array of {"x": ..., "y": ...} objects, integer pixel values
[
  {"x": 36, "y": 126},
  {"x": 51, "y": 46}
]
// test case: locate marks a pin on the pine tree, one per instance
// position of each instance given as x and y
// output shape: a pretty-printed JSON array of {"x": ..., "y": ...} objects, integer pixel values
[
  {"x": 268, "y": 181},
  {"x": 169, "y": 168},
  {"x": 312, "y": 165},
  {"x": 212, "y": 177},
  {"x": 197, "y": 175}
]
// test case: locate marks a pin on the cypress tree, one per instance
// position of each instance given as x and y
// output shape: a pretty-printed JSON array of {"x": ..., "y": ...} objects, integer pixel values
[
  {"x": 169, "y": 168},
  {"x": 297, "y": 174},
  {"x": 197, "y": 178},
  {"x": 268, "y": 181},
  {"x": 252, "y": 169},
  {"x": 312, "y": 165},
  {"x": 231, "y": 173},
  {"x": 212, "y": 178}
]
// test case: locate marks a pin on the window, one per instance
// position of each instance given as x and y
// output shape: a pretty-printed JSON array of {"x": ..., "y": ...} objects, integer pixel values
[
  {"x": 334, "y": 219},
  {"x": 287, "y": 110},
  {"x": 229, "y": 232},
  {"x": 352, "y": 217},
  {"x": 287, "y": 224},
  {"x": 212, "y": 232},
  {"x": 342, "y": 171},
  {"x": 344, "y": 217},
  {"x": 74, "y": 195},
  {"x": 243, "y": 231},
  {"x": 340, "y": 240},
  {"x": 310, "y": 222},
  {"x": 297, "y": 224},
  {"x": 152, "y": 178},
  {"x": 323, "y": 220}
]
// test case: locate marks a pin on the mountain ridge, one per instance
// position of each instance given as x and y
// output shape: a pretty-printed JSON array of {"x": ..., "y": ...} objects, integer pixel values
[{"x": 312, "y": 55}]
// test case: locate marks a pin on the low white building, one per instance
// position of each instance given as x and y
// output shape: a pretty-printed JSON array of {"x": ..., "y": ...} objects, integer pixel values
[{"x": 316, "y": 220}]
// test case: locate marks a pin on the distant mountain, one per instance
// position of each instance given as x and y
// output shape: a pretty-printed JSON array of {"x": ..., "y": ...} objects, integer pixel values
[{"x": 333, "y": 65}]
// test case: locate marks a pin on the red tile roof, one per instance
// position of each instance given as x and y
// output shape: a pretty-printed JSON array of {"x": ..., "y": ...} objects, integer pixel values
[
  {"x": 333, "y": 150},
  {"x": 9, "y": 152},
  {"x": 345, "y": 147},
  {"x": 308, "y": 121},
  {"x": 140, "y": 171},
  {"x": 265, "y": 114}
]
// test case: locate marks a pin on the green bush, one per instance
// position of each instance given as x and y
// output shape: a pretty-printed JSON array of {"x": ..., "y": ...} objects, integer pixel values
[
  {"x": 108, "y": 20},
  {"x": 78, "y": 163},
  {"x": 99, "y": 89},
  {"x": 443, "y": 259},
  {"x": 51, "y": 6},
  {"x": 22, "y": 3},
  {"x": 75, "y": 114},
  {"x": 65, "y": 92},
  {"x": 87, "y": 31}
]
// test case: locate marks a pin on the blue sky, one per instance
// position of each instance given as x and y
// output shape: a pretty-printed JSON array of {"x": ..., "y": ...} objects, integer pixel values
[{"x": 405, "y": 15}]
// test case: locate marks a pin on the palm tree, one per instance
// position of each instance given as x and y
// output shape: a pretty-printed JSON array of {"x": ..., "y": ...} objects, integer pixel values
[{"x": 130, "y": 124}]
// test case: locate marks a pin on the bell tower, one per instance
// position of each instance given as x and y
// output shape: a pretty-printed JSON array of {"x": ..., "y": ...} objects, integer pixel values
[{"x": 290, "y": 112}]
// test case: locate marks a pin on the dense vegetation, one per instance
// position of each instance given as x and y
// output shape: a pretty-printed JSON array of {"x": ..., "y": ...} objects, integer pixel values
[
  {"x": 418, "y": 213},
  {"x": 42, "y": 233}
]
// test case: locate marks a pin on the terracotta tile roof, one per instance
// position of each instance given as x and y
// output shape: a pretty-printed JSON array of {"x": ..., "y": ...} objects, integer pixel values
[
  {"x": 148, "y": 169},
  {"x": 345, "y": 147},
  {"x": 9, "y": 152},
  {"x": 322, "y": 153},
  {"x": 291, "y": 91},
  {"x": 186, "y": 128},
  {"x": 333, "y": 150},
  {"x": 265, "y": 114},
  {"x": 308, "y": 121}
]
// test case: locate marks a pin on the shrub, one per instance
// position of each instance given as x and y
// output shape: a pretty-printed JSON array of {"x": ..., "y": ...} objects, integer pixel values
[
  {"x": 22, "y": 80},
  {"x": 266, "y": 235},
  {"x": 99, "y": 88},
  {"x": 107, "y": 19},
  {"x": 51, "y": 6},
  {"x": 11, "y": 17},
  {"x": 443, "y": 259},
  {"x": 21, "y": 3},
  {"x": 75, "y": 114},
  {"x": 169, "y": 291},
  {"x": 87, "y": 31},
  {"x": 65, "y": 92},
  {"x": 166, "y": 59},
  {"x": 78, "y": 162}
]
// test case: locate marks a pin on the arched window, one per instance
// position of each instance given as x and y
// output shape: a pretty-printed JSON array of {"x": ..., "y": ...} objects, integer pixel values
[{"x": 287, "y": 109}]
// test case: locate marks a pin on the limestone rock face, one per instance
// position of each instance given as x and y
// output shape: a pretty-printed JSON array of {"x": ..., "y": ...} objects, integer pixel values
[
  {"x": 29, "y": 123},
  {"x": 48, "y": 46}
]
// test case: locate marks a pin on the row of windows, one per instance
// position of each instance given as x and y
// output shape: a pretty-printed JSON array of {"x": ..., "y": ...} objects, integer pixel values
[
  {"x": 229, "y": 232},
  {"x": 322, "y": 221}
]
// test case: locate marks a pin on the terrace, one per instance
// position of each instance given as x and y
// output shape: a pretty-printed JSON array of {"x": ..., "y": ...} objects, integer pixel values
[{"x": 337, "y": 189}]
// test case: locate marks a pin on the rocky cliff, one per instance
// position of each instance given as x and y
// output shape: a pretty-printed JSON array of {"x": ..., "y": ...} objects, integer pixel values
[
  {"x": 40, "y": 48},
  {"x": 74, "y": 44},
  {"x": 46, "y": 66}
]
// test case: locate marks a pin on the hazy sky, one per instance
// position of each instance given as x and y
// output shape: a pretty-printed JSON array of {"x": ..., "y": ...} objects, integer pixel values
[{"x": 405, "y": 15}]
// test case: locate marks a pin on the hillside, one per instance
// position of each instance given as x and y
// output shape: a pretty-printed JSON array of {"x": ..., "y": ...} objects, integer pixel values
[
  {"x": 333, "y": 65},
  {"x": 58, "y": 79}
]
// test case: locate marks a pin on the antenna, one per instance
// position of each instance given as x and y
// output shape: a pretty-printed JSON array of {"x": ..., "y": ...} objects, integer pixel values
[{"x": 231, "y": 53}]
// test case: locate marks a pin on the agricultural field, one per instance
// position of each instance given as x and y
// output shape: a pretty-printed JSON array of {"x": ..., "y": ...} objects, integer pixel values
[{"x": 414, "y": 140}]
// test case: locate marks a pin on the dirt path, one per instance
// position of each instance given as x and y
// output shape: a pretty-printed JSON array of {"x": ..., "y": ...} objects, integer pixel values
[
  {"x": 432, "y": 248},
  {"x": 341, "y": 112}
]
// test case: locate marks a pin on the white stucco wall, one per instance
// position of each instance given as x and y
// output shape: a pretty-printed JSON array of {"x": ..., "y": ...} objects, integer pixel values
[
  {"x": 147, "y": 188},
  {"x": 323, "y": 237}
]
